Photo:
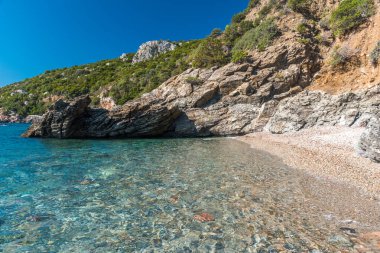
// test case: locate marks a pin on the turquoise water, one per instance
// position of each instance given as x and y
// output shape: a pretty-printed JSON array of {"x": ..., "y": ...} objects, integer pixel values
[{"x": 142, "y": 196}]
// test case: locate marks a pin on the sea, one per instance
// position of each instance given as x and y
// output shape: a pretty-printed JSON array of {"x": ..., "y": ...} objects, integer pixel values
[{"x": 156, "y": 195}]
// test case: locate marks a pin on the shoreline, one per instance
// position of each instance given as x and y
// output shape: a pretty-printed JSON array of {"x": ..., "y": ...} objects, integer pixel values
[
  {"x": 327, "y": 153},
  {"x": 337, "y": 178}
]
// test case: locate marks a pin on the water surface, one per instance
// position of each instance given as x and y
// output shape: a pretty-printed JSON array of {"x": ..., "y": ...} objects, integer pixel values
[{"x": 142, "y": 195}]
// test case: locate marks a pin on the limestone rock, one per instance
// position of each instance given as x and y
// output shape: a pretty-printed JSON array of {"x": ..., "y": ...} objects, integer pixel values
[
  {"x": 316, "y": 108},
  {"x": 107, "y": 103},
  {"x": 370, "y": 140},
  {"x": 33, "y": 119},
  {"x": 63, "y": 120},
  {"x": 9, "y": 117},
  {"x": 151, "y": 49}
]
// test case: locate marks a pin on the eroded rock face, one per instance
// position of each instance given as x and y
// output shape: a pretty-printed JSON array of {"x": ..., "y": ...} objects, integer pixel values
[
  {"x": 151, "y": 49},
  {"x": 9, "y": 117},
  {"x": 63, "y": 120},
  {"x": 315, "y": 108},
  {"x": 370, "y": 140}
]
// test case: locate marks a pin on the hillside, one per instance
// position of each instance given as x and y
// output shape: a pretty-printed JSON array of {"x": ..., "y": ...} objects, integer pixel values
[
  {"x": 116, "y": 78},
  {"x": 340, "y": 43}
]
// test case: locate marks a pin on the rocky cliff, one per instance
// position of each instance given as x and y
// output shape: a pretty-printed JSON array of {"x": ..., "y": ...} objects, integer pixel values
[{"x": 151, "y": 49}]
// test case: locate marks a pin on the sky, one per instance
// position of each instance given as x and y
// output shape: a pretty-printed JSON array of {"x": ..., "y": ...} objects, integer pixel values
[{"x": 39, "y": 35}]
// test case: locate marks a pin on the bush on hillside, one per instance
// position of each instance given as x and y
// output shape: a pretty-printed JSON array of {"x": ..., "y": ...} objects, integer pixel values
[
  {"x": 208, "y": 54},
  {"x": 341, "y": 56},
  {"x": 239, "y": 56},
  {"x": 350, "y": 14},
  {"x": 215, "y": 33},
  {"x": 237, "y": 18},
  {"x": 259, "y": 37},
  {"x": 253, "y": 4},
  {"x": 235, "y": 31},
  {"x": 302, "y": 28},
  {"x": 375, "y": 55},
  {"x": 301, "y": 6},
  {"x": 194, "y": 80},
  {"x": 263, "y": 13}
]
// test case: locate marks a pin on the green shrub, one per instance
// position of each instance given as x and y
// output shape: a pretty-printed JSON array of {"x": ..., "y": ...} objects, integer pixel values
[
  {"x": 237, "y": 18},
  {"x": 235, "y": 31},
  {"x": 304, "y": 41},
  {"x": 375, "y": 55},
  {"x": 216, "y": 33},
  {"x": 194, "y": 80},
  {"x": 239, "y": 56},
  {"x": 259, "y": 37},
  {"x": 264, "y": 11},
  {"x": 341, "y": 56},
  {"x": 253, "y": 3},
  {"x": 208, "y": 54},
  {"x": 300, "y": 6},
  {"x": 302, "y": 28},
  {"x": 350, "y": 14}
]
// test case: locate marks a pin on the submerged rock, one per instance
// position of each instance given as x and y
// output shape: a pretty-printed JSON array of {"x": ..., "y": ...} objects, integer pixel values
[{"x": 204, "y": 217}]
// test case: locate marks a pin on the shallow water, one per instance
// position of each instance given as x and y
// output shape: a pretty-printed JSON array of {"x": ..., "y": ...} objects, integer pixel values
[{"x": 142, "y": 195}]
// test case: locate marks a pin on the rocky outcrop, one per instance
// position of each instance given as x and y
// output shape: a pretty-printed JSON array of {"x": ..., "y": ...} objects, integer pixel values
[
  {"x": 9, "y": 117},
  {"x": 315, "y": 108},
  {"x": 232, "y": 100},
  {"x": 107, "y": 103},
  {"x": 63, "y": 120},
  {"x": 151, "y": 49},
  {"x": 32, "y": 119},
  {"x": 370, "y": 140},
  {"x": 77, "y": 120},
  {"x": 15, "y": 118}
]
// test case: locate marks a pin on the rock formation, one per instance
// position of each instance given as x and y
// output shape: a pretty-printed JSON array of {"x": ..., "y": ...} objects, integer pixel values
[
  {"x": 236, "y": 99},
  {"x": 151, "y": 49},
  {"x": 231, "y": 100},
  {"x": 370, "y": 140},
  {"x": 317, "y": 108}
]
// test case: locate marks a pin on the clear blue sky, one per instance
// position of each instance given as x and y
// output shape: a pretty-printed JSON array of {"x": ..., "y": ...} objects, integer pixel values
[{"x": 37, "y": 35}]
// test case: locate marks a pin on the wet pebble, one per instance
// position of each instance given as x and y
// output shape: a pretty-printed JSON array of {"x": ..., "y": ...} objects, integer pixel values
[
  {"x": 204, "y": 217},
  {"x": 157, "y": 243}
]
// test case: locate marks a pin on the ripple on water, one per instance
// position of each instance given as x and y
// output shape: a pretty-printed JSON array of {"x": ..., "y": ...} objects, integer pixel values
[{"x": 162, "y": 195}]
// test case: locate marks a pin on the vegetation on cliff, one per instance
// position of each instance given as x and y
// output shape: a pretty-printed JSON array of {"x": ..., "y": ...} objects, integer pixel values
[
  {"x": 118, "y": 79},
  {"x": 350, "y": 14}
]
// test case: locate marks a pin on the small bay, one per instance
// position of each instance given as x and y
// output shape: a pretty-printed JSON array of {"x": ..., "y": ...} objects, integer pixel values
[{"x": 144, "y": 195}]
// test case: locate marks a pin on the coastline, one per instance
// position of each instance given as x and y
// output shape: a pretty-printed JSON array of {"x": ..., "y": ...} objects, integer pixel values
[{"x": 326, "y": 153}]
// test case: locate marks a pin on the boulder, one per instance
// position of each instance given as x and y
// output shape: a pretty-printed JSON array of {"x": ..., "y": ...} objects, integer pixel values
[{"x": 370, "y": 140}]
